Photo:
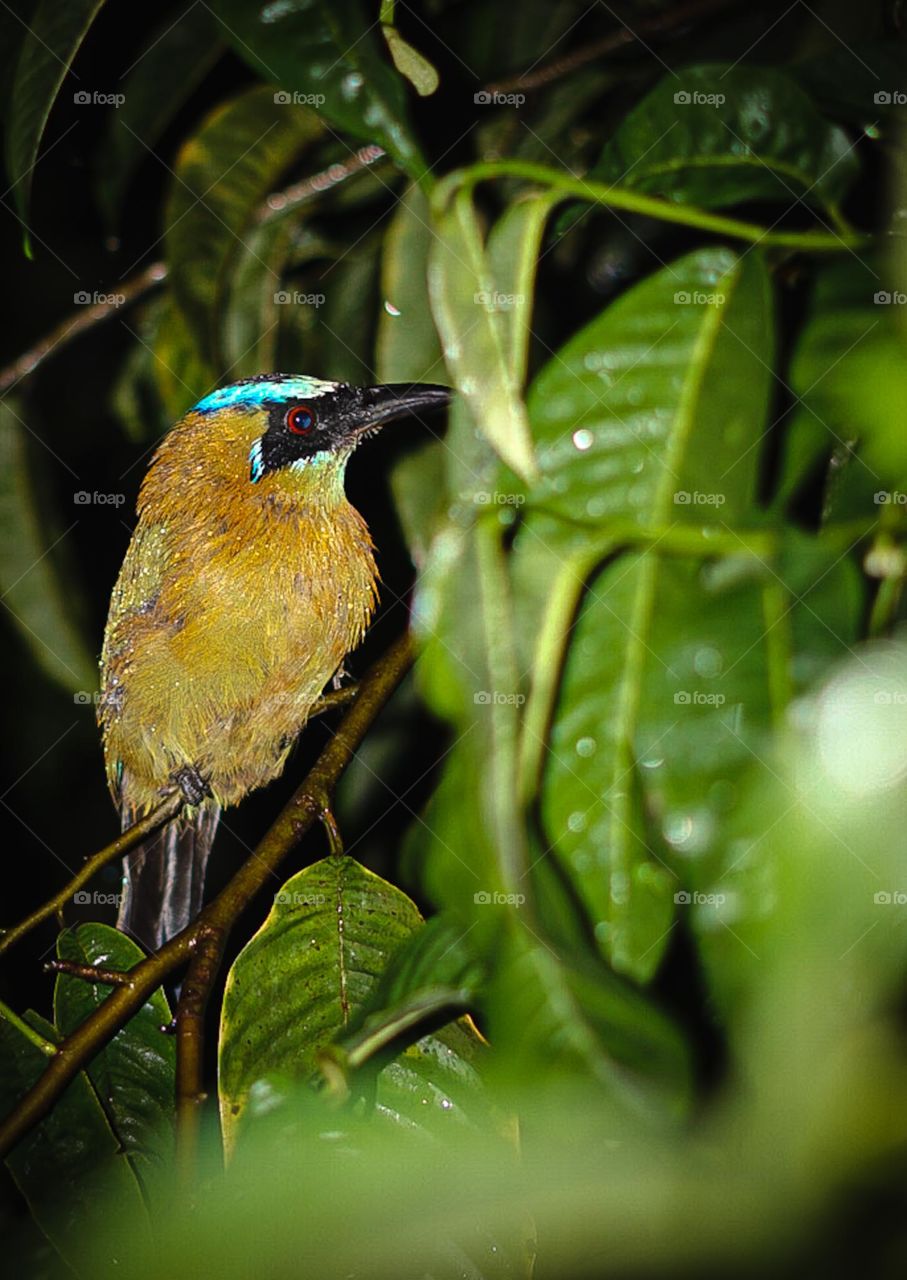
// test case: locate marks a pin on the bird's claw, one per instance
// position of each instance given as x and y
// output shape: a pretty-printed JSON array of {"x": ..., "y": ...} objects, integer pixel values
[{"x": 193, "y": 786}]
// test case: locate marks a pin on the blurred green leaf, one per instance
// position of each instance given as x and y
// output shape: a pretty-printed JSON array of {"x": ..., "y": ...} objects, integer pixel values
[
  {"x": 69, "y": 1168},
  {"x": 848, "y": 366},
  {"x": 718, "y": 135},
  {"x": 560, "y": 1022},
  {"x": 134, "y": 1076},
  {"x": 39, "y": 602},
  {"x": 155, "y": 89},
  {"x": 640, "y": 418},
  {"x": 257, "y": 299},
  {"x": 411, "y": 63},
  {"x": 862, "y": 82},
  {"x": 347, "y": 311},
  {"x": 54, "y": 35},
  {"x": 330, "y": 55},
  {"x": 470, "y": 308},
  {"x": 297, "y": 984},
  {"x": 407, "y": 347},
  {"x": 222, "y": 176},
  {"x": 181, "y": 375}
]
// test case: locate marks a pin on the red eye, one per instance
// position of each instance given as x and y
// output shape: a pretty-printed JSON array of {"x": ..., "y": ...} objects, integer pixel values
[{"x": 301, "y": 420}]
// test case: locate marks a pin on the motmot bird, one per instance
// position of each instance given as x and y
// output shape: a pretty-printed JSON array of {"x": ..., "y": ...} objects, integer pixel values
[{"x": 247, "y": 581}]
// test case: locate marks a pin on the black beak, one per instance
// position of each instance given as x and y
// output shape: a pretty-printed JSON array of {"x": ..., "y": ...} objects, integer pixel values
[{"x": 377, "y": 405}]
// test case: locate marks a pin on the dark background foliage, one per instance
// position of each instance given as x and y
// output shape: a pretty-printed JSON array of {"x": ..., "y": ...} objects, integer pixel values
[{"x": 655, "y": 1026}]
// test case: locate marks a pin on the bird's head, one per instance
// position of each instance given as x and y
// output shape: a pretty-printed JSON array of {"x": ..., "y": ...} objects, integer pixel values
[{"x": 286, "y": 435}]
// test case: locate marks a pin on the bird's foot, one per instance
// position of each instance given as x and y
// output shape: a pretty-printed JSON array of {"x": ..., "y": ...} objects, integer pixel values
[
  {"x": 336, "y": 698},
  {"x": 193, "y": 786},
  {"x": 339, "y": 676}
]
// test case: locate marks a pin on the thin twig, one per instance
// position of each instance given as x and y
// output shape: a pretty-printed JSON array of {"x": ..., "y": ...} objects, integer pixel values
[
  {"x": 151, "y": 277},
  {"x": 127, "y": 840},
  {"x": 219, "y": 916},
  {"x": 656, "y": 25},
  {"x": 89, "y": 972}
]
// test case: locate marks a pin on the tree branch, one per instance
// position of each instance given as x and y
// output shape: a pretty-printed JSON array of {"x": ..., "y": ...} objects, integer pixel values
[
  {"x": 213, "y": 925},
  {"x": 150, "y": 277}
]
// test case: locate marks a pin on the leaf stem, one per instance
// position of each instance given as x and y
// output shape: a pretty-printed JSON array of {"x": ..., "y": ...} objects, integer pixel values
[
  {"x": 47, "y": 1047},
  {"x": 649, "y": 206}
]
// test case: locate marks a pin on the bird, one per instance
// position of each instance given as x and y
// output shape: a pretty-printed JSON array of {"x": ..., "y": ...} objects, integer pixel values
[{"x": 248, "y": 579}]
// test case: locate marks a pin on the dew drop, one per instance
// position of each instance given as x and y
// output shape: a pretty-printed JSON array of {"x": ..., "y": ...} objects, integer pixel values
[
  {"x": 390, "y": 308},
  {"x": 585, "y": 747},
  {"x": 583, "y": 439},
  {"x": 708, "y": 662}
]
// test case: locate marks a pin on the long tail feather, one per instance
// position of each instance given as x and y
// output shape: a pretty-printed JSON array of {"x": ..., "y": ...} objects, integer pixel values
[{"x": 164, "y": 878}]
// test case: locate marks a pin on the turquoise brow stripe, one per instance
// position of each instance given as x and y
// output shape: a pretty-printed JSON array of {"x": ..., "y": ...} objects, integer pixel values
[{"x": 252, "y": 395}]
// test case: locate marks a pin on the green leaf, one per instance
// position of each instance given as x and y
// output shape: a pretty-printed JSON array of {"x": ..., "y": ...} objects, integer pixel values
[
  {"x": 181, "y": 375},
  {"x": 715, "y": 135},
  {"x": 222, "y": 175},
  {"x": 642, "y": 418},
  {"x": 411, "y": 63},
  {"x": 154, "y": 90},
  {"x": 55, "y": 33},
  {"x": 34, "y": 596},
  {"x": 135, "y": 1074},
  {"x": 470, "y": 308},
  {"x": 329, "y": 54},
  {"x": 348, "y": 313},
  {"x": 69, "y": 1168},
  {"x": 433, "y": 976},
  {"x": 407, "y": 348},
  {"x": 848, "y": 366},
  {"x": 557, "y": 1021},
  {"x": 256, "y": 306},
  {"x": 303, "y": 977}
]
